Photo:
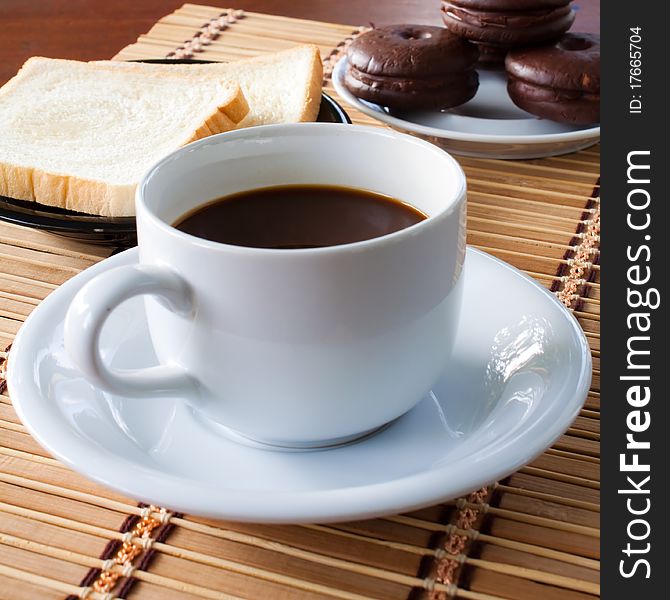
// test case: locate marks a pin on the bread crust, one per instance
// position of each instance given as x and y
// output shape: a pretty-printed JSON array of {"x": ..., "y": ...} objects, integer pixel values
[
  {"x": 68, "y": 192},
  {"x": 313, "y": 99}
]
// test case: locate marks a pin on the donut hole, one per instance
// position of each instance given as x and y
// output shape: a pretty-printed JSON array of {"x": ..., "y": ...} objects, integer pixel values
[
  {"x": 413, "y": 34},
  {"x": 575, "y": 44}
]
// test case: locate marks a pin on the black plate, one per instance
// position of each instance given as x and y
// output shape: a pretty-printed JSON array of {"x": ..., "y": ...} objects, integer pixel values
[{"x": 117, "y": 231}]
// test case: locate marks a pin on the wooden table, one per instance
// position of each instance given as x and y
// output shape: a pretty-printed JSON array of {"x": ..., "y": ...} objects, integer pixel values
[
  {"x": 534, "y": 534},
  {"x": 97, "y": 29}
]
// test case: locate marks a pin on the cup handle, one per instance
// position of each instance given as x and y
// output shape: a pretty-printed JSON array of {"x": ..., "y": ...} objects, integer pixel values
[{"x": 93, "y": 304}]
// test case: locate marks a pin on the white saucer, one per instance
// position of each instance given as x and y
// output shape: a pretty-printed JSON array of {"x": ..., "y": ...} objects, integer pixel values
[
  {"x": 519, "y": 377},
  {"x": 488, "y": 126}
]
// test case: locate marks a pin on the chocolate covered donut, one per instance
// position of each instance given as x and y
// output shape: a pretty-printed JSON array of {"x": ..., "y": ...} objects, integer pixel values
[
  {"x": 411, "y": 67},
  {"x": 560, "y": 82},
  {"x": 499, "y": 25}
]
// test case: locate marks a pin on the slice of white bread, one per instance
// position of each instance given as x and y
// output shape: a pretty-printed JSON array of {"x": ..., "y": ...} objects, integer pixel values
[
  {"x": 80, "y": 136},
  {"x": 282, "y": 87}
]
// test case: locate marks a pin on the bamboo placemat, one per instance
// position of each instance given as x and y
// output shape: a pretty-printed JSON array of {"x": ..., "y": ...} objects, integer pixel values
[{"x": 535, "y": 534}]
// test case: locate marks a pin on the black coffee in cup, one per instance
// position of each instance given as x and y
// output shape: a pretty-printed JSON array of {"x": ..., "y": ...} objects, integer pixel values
[{"x": 299, "y": 216}]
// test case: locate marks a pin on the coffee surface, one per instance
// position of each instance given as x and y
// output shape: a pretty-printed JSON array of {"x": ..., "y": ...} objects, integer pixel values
[{"x": 299, "y": 216}]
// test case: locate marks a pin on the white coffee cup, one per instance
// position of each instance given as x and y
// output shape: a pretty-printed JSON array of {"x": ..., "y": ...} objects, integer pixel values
[{"x": 306, "y": 347}]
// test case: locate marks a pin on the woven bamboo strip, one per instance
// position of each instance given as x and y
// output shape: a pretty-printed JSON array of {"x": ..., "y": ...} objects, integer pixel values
[
  {"x": 81, "y": 559},
  {"x": 68, "y": 539},
  {"x": 522, "y": 230},
  {"x": 32, "y": 457},
  {"x": 61, "y": 507},
  {"x": 65, "y": 523},
  {"x": 535, "y": 575},
  {"x": 590, "y": 327},
  {"x": 122, "y": 507},
  {"x": 286, "y": 22},
  {"x": 346, "y": 565},
  {"x": 515, "y": 215},
  {"x": 48, "y": 583},
  {"x": 537, "y": 184},
  {"x": 266, "y": 24},
  {"x": 219, "y": 52},
  {"x": 554, "y": 277},
  {"x": 35, "y": 270},
  {"x": 12, "y": 426},
  {"x": 514, "y": 186},
  {"x": 523, "y": 518},
  {"x": 412, "y": 582},
  {"x": 572, "y": 213},
  {"x": 58, "y": 491},
  {"x": 587, "y": 155},
  {"x": 469, "y": 595},
  {"x": 561, "y": 477},
  {"x": 420, "y": 550},
  {"x": 165, "y": 550},
  {"x": 259, "y": 542},
  {"x": 555, "y": 488},
  {"x": 510, "y": 242},
  {"x": 568, "y": 466},
  {"x": 18, "y": 298},
  {"x": 584, "y": 315},
  {"x": 487, "y": 582},
  {"x": 575, "y": 455},
  {"x": 538, "y": 550},
  {"x": 523, "y": 261},
  {"x": 572, "y": 543},
  {"x": 275, "y": 577},
  {"x": 21, "y": 441},
  {"x": 71, "y": 263},
  {"x": 530, "y": 549},
  {"x": 142, "y": 50},
  {"x": 242, "y": 35},
  {"x": 76, "y": 525},
  {"x": 18, "y": 282},
  {"x": 534, "y": 170},
  {"x": 549, "y": 497},
  {"x": 548, "y": 509},
  {"x": 9, "y": 326},
  {"x": 496, "y": 554},
  {"x": 564, "y": 197},
  {"x": 7, "y": 414},
  {"x": 171, "y": 583},
  {"x": 508, "y": 514},
  {"x": 560, "y": 220},
  {"x": 23, "y": 590},
  {"x": 587, "y": 435},
  {"x": 191, "y": 22},
  {"x": 521, "y": 233},
  {"x": 108, "y": 533},
  {"x": 590, "y": 306},
  {"x": 588, "y": 423},
  {"x": 15, "y": 310},
  {"x": 584, "y": 164}
]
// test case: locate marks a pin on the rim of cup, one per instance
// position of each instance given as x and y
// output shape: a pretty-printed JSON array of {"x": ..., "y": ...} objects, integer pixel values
[{"x": 305, "y": 128}]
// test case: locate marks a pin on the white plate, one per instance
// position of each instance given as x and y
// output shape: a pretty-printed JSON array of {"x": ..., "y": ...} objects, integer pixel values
[
  {"x": 518, "y": 379},
  {"x": 488, "y": 126}
]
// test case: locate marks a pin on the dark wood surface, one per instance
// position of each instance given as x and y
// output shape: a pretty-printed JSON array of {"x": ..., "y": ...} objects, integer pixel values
[{"x": 97, "y": 29}]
